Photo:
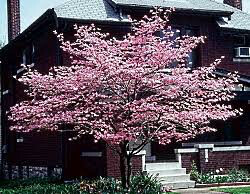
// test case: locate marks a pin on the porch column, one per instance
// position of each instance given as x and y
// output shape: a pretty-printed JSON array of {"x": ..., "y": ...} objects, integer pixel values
[{"x": 204, "y": 150}]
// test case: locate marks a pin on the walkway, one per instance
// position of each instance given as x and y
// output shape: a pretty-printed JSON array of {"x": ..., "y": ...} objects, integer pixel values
[
  {"x": 197, "y": 191},
  {"x": 204, "y": 190}
]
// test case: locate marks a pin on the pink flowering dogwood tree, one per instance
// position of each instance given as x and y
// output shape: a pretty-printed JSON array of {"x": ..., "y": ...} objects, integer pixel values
[{"x": 125, "y": 91}]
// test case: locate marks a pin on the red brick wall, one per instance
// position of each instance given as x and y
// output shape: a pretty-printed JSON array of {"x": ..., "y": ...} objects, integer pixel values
[
  {"x": 188, "y": 159},
  {"x": 93, "y": 167},
  {"x": 216, "y": 160},
  {"x": 37, "y": 149},
  {"x": 113, "y": 164},
  {"x": 225, "y": 160}
]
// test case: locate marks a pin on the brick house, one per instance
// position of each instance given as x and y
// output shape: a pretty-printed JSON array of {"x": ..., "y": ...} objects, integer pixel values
[{"x": 227, "y": 29}]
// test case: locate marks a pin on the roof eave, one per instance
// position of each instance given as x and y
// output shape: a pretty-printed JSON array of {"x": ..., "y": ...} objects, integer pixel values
[
  {"x": 48, "y": 15},
  {"x": 183, "y": 10},
  {"x": 96, "y": 21},
  {"x": 223, "y": 72},
  {"x": 234, "y": 30}
]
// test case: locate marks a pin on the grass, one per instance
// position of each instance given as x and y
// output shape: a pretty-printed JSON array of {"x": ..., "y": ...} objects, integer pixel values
[
  {"x": 40, "y": 186},
  {"x": 36, "y": 186},
  {"x": 238, "y": 190}
]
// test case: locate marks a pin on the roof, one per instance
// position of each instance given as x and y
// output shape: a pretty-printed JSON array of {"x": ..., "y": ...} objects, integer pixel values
[
  {"x": 105, "y": 10},
  {"x": 99, "y": 10},
  {"x": 239, "y": 20},
  {"x": 206, "y": 5}
]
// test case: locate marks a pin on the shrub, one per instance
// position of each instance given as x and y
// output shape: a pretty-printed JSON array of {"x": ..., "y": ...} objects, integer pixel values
[
  {"x": 143, "y": 184},
  {"x": 194, "y": 173},
  {"x": 238, "y": 176},
  {"x": 233, "y": 175},
  {"x": 102, "y": 185},
  {"x": 37, "y": 186}
]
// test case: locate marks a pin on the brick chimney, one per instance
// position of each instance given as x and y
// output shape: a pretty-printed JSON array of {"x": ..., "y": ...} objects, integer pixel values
[
  {"x": 13, "y": 18},
  {"x": 234, "y": 3}
]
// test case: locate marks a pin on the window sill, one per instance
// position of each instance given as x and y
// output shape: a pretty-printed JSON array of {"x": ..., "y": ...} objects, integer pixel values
[{"x": 241, "y": 60}]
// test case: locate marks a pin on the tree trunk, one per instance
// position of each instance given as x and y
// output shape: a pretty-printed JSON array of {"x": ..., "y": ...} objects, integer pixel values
[
  {"x": 123, "y": 170},
  {"x": 129, "y": 170}
]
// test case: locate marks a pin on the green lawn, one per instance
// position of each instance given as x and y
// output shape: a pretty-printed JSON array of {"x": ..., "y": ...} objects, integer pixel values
[
  {"x": 40, "y": 186},
  {"x": 36, "y": 187},
  {"x": 239, "y": 190}
]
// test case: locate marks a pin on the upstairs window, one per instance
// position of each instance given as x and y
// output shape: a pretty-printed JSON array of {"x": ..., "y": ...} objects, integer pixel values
[
  {"x": 192, "y": 59},
  {"x": 28, "y": 58},
  {"x": 241, "y": 46},
  {"x": 29, "y": 55}
]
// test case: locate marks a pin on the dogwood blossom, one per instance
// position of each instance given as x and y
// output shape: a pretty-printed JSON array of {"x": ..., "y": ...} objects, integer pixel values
[{"x": 127, "y": 90}]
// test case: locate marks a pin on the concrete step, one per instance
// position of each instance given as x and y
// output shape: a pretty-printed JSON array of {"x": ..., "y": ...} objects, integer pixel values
[
  {"x": 179, "y": 184},
  {"x": 174, "y": 171},
  {"x": 174, "y": 178},
  {"x": 162, "y": 166}
]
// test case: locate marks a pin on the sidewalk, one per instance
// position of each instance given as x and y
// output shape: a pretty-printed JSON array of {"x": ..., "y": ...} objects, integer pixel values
[
  {"x": 204, "y": 190},
  {"x": 197, "y": 191}
]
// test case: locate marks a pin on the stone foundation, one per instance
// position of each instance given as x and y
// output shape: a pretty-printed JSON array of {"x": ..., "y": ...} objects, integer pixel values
[{"x": 25, "y": 172}]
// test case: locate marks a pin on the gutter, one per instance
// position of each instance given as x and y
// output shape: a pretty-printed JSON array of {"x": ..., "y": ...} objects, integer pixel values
[
  {"x": 128, "y": 7},
  {"x": 90, "y": 21},
  {"x": 234, "y": 30}
]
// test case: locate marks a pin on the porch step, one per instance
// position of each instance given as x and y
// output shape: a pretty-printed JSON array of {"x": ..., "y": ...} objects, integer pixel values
[
  {"x": 174, "y": 171},
  {"x": 179, "y": 185},
  {"x": 174, "y": 178},
  {"x": 162, "y": 166},
  {"x": 170, "y": 174}
]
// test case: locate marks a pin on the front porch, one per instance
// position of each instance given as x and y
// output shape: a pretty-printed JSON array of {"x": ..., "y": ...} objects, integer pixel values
[{"x": 208, "y": 157}]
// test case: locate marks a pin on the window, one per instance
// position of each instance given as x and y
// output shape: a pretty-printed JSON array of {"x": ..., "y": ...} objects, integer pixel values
[
  {"x": 29, "y": 55},
  {"x": 241, "y": 47},
  {"x": 178, "y": 32},
  {"x": 192, "y": 60}
]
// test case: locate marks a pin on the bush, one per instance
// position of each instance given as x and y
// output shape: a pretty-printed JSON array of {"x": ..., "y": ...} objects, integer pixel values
[
  {"x": 238, "y": 176},
  {"x": 37, "y": 186},
  {"x": 194, "y": 173},
  {"x": 143, "y": 184},
  {"x": 233, "y": 175},
  {"x": 102, "y": 185}
]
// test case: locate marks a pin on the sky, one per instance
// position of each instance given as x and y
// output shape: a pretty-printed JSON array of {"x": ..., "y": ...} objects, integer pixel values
[{"x": 32, "y": 9}]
